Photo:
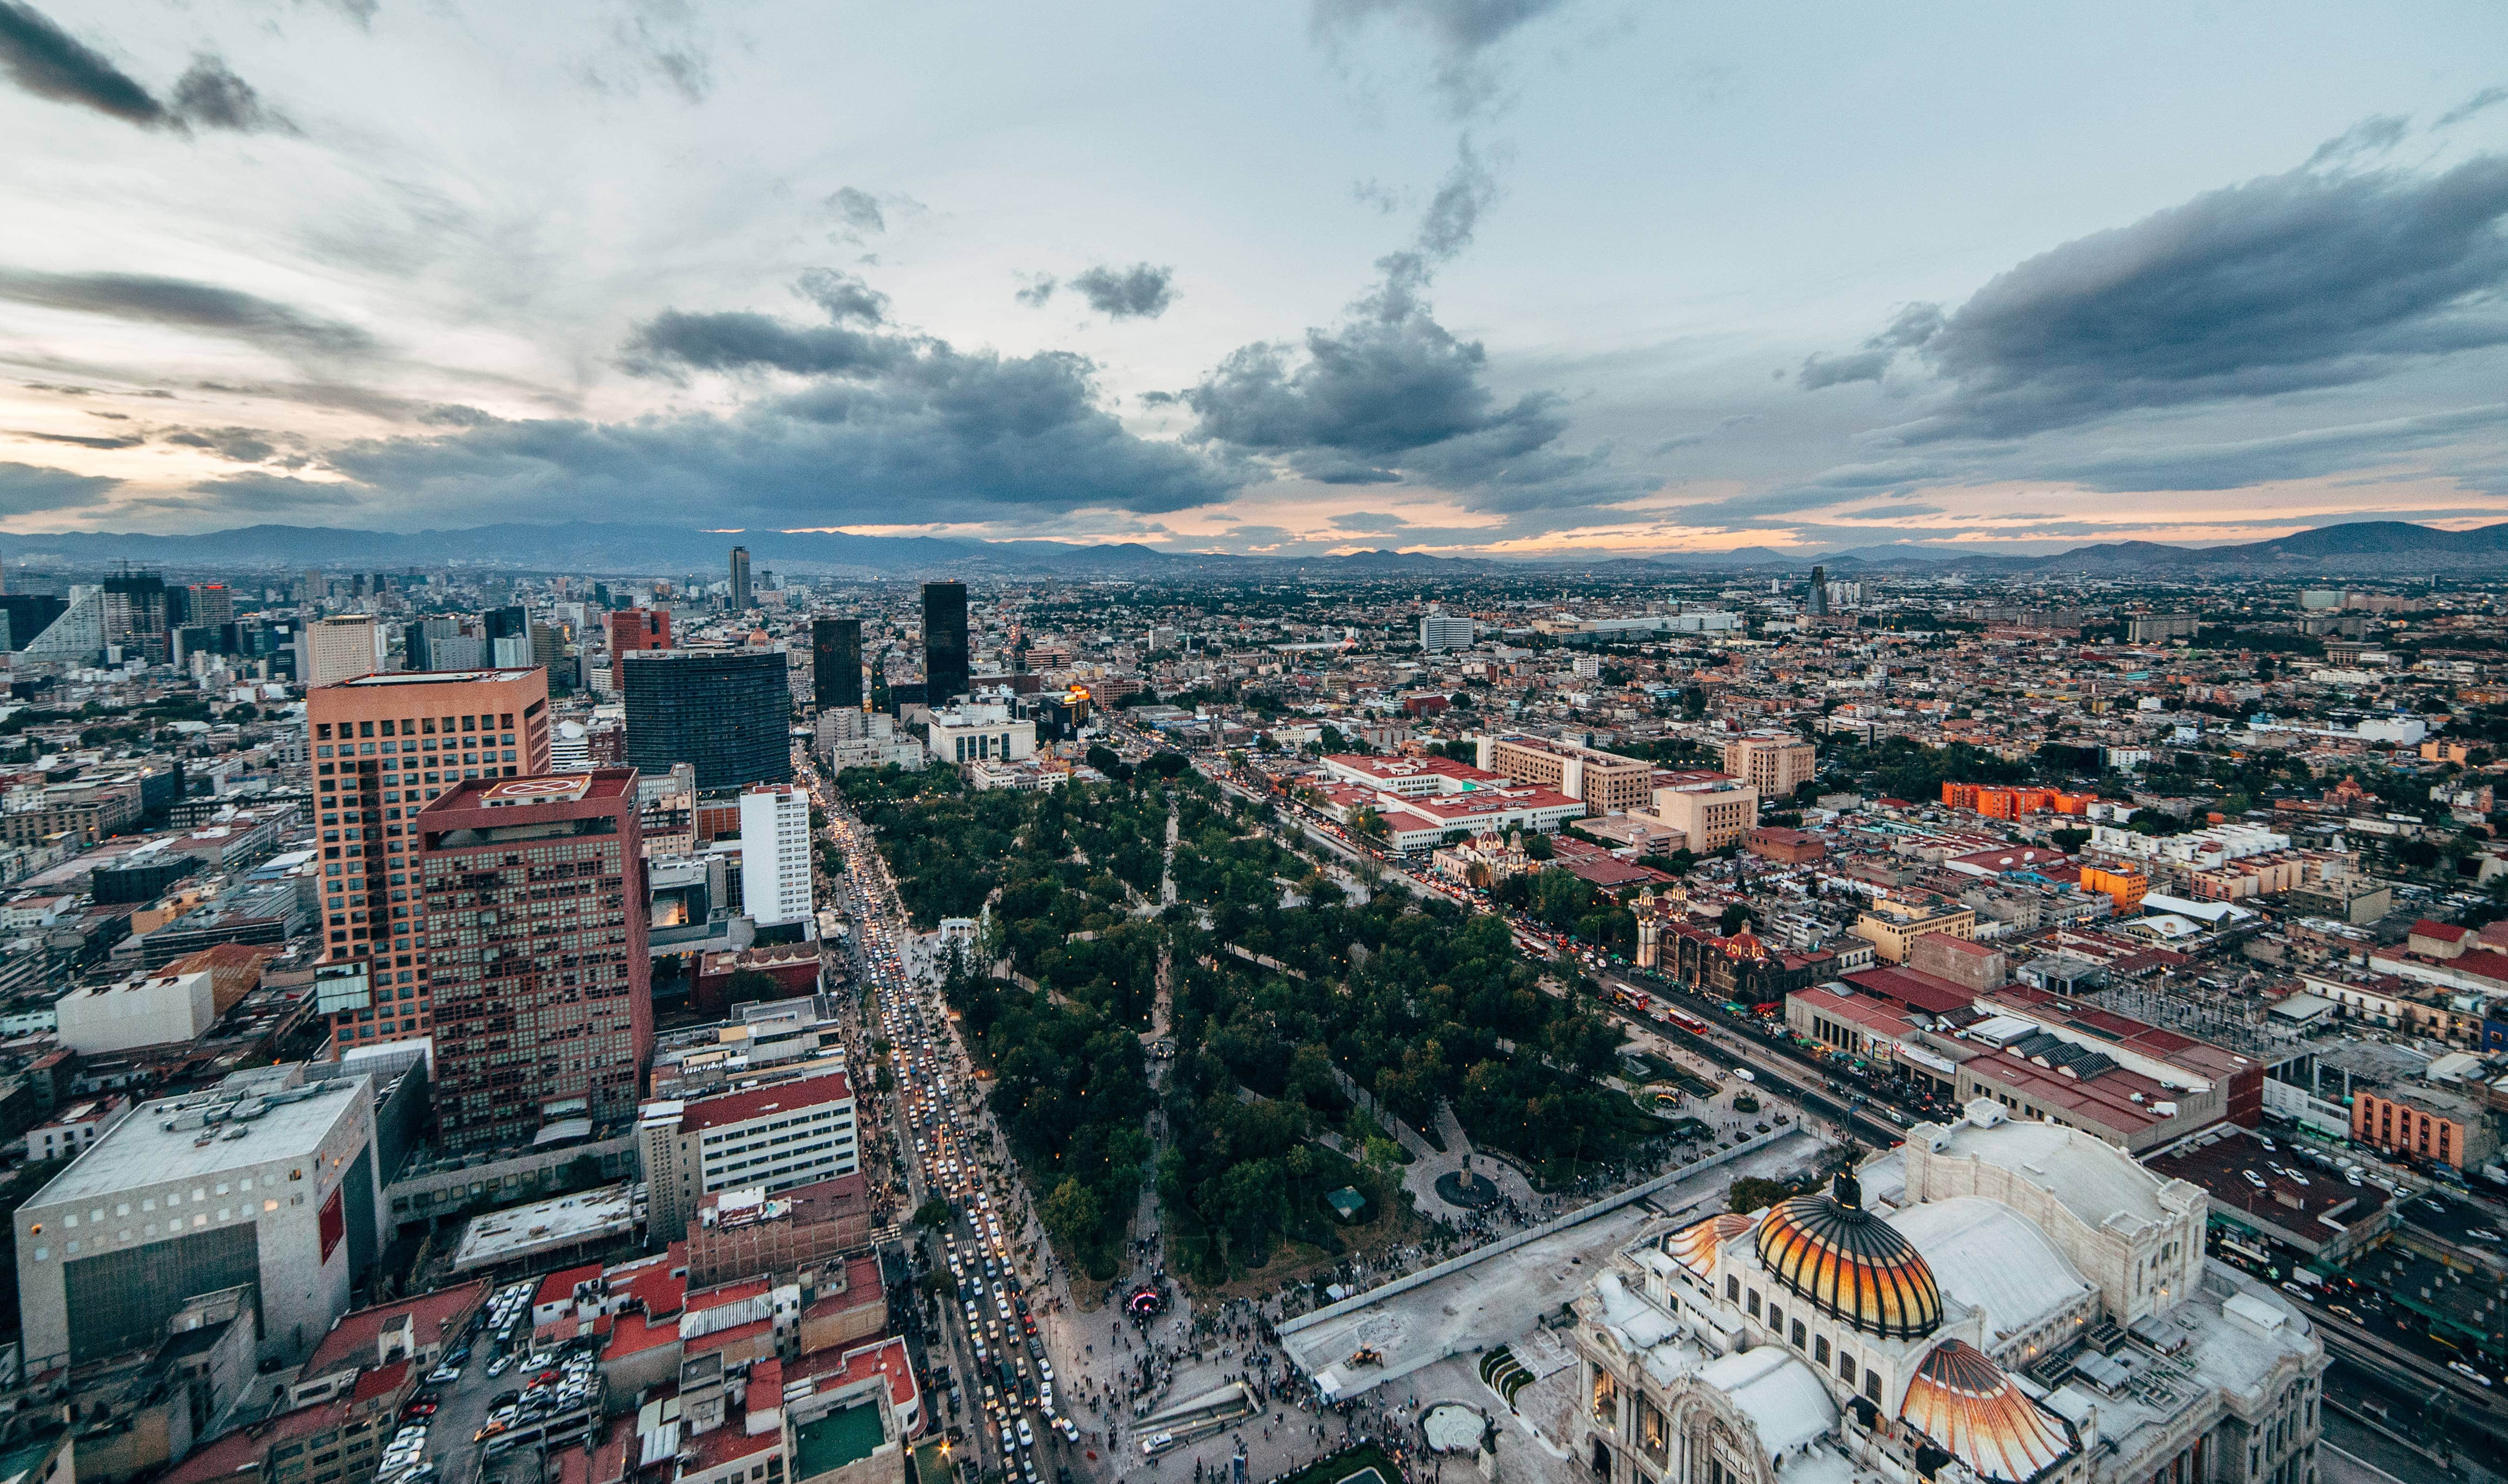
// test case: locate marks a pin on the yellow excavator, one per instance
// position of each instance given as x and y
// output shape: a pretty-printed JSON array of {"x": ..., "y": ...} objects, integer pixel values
[{"x": 1367, "y": 1354}]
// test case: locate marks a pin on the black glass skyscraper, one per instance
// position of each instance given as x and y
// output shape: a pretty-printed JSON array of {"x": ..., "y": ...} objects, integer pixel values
[
  {"x": 944, "y": 642},
  {"x": 740, "y": 579},
  {"x": 727, "y": 711},
  {"x": 835, "y": 664}
]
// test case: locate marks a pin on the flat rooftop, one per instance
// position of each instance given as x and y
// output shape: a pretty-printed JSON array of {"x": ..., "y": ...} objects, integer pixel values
[
  {"x": 541, "y": 1226},
  {"x": 429, "y": 677},
  {"x": 846, "y": 1435},
  {"x": 142, "y": 1151},
  {"x": 2316, "y": 1211}
]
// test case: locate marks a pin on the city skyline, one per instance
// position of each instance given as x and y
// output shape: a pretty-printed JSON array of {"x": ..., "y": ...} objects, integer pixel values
[{"x": 1532, "y": 279}]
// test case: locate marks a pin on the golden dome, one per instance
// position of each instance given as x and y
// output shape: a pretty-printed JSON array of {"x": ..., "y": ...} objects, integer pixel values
[
  {"x": 1968, "y": 1407},
  {"x": 1850, "y": 1265},
  {"x": 1694, "y": 1245}
]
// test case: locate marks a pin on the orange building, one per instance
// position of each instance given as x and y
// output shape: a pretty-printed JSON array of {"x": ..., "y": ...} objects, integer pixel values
[
  {"x": 384, "y": 746},
  {"x": 2126, "y": 885},
  {"x": 2424, "y": 1122},
  {"x": 2012, "y": 803}
]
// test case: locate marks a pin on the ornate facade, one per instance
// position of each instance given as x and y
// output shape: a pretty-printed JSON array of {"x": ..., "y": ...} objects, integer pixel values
[{"x": 2015, "y": 1303}]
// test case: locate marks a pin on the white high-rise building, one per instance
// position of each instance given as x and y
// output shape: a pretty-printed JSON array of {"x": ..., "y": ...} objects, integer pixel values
[
  {"x": 1444, "y": 631},
  {"x": 775, "y": 854},
  {"x": 341, "y": 648}
]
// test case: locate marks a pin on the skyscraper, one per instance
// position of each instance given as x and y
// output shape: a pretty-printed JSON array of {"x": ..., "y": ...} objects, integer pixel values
[
  {"x": 382, "y": 747},
  {"x": 209, "y": 603},
  {"x": 134, "y": 614},
  {"x": 944, "y": 642},
  {"x": 775, "y": 854},
  {"x": 726, "y": 712},
  {"x": 1817, "y": 604},
  {"x": 836, "y": 664},
  {"x": 740, "y": 579},
  {"x": 534, "y": 916},
  {"x": 340, "y": 648}
]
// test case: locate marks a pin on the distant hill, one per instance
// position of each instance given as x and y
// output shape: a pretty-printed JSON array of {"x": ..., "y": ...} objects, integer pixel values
[{"x": 2367, "y": 548}]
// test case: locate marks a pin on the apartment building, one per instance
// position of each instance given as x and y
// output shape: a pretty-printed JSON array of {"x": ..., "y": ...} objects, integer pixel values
[
  {"x": 1606, "y": 782},
  {"x": 1893, "y": 927},
  {"x": 773, "y": 1138},
  {"x": 1711, "y": 809},
  {"x": 1774, "y": 763},
  {"x": 383, "y": 748}
]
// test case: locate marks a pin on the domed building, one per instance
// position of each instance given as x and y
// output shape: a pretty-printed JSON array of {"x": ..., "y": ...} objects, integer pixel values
[{"x": 1991, "y": 1303}]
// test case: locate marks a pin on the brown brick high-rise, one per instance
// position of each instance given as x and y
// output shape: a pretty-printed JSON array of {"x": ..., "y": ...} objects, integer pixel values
[
  {"x": 536, "y": 933},
  {"x": 384, "y": 746}
]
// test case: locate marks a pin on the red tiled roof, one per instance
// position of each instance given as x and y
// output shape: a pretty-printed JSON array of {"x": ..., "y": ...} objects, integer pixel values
[
  {"x": 726, "y": 1443},
  {"x": 435, "y": 1316},
  {"x": 1913, "y": 989},
  {"x": 378, "y": 1381},
  {"x": 559, "y": 1287},
  {"x": 634, "y": 1334},
  {"x": 2445, "y": 932}
]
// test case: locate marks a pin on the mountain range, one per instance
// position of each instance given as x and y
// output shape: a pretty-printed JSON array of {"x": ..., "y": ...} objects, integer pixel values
[{"x": 2368, "y": 548}]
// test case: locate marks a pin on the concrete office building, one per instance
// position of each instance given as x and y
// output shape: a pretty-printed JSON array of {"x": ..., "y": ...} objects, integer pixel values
[
  {"x": 789, "y": 1133},
  {"x": 142, "y": 1011},
  {"x": 534, "y": 903},
  {"x": 267, "y": 1179},
  {"x": 1712, "y": 812},
  {"x": 384, "y": 746},
  {"x": 945, "y": 642},
  {"x": 1444, "y": 631},
  {"x": 341, "y": 648},
  {"x": 726, "y": 712},
  {"x": 836, "y": 664},
  {"x": 975, "y": 734},
  {"x": 1775, "y": 763},
  {"x": 1608, "y": 783},
  {"x": 775, "y": 886}
]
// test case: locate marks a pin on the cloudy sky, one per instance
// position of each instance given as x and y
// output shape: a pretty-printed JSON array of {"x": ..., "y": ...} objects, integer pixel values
[{"x": 1459, "y": 275}]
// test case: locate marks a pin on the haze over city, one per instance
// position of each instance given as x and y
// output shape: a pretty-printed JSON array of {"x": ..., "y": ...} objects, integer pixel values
[{"x": 1540, "y": 277}]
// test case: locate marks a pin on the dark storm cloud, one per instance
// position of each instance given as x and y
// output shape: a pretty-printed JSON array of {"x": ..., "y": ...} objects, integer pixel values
[
  {"x": 1390, "y": 394},
  {"x": 211, "y": 96},
  {"x": 77, "y": 439},
  {"x": 31, "y": 488},
  {"x": 740, "y": 341},
  {"x": 980, "y": 439},
  {"x": 1139, "y": 292},
  {"x": 2287, "y": 282},
  {"x": 187, "y": 305},
  {"x": 843, "y": 296},
  {"x": 1459, "y": 32},
  {"x": 877, "y": 425},
  {"x": 49, "y": 62},
  {"x": 44, "y": 59}
]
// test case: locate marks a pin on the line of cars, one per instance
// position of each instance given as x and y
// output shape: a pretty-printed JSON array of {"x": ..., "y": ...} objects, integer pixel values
[
  {"x": 1009, "y": 1373},
  {"x": 563, "y": 1389}
]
